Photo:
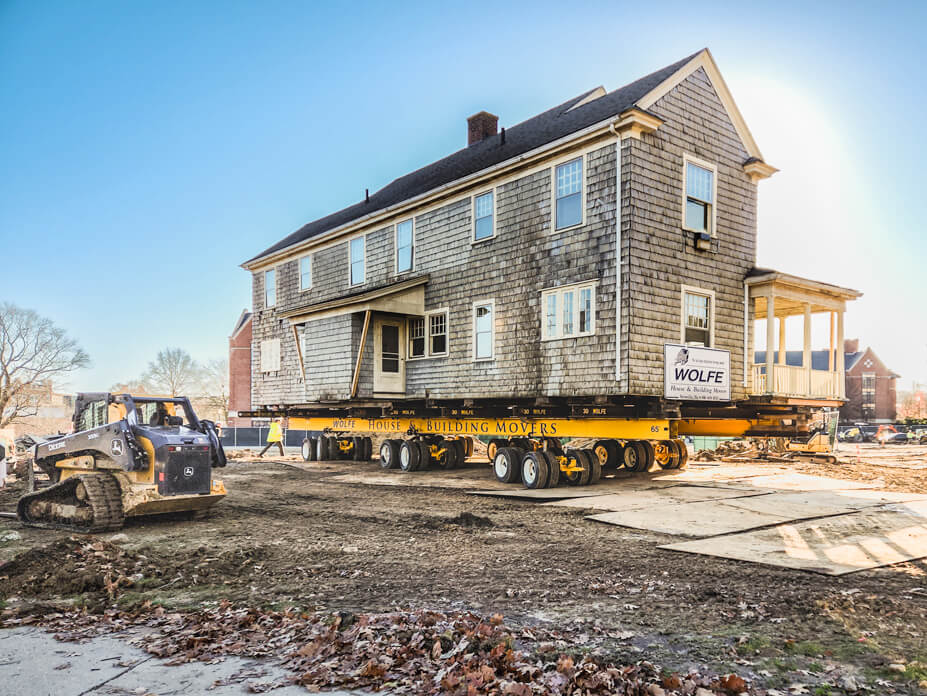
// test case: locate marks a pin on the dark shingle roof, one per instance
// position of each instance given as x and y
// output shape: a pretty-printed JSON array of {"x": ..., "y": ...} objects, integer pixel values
[{"x": 544, "y": 128}]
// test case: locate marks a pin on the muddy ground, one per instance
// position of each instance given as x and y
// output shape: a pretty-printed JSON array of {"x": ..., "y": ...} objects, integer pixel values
[{"x": 292, "y": 537}]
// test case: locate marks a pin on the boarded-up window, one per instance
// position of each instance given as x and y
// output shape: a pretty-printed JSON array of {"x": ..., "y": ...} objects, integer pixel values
[{"x": 270, "y": 355}]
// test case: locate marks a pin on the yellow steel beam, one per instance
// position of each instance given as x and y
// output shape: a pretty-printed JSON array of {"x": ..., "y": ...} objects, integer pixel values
[
  {"x": 723, "y": 428},
  {"x": 617, "y": 428}
]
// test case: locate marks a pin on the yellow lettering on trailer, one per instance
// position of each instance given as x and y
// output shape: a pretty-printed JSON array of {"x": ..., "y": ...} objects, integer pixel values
[{"x": 605, "y": 428}]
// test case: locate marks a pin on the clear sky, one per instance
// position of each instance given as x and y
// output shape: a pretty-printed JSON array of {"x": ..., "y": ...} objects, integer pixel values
[{"x": 148, "y": 148}]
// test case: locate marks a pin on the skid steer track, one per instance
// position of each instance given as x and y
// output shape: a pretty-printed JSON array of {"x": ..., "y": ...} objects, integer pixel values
[{"x": 86, "y": 503}]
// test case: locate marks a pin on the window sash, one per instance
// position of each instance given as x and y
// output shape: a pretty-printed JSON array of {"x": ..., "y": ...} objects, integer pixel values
[
  {"x": 305, "y": 273},
  {"x": 699, "y": 183},
  {"x": 483, "y": 329},
  {"x": 270, "y": 288},
  {"x": 697, "y": 318},
  {"x": 358, "y": 251},
  {"x": 696, "y": 215},
  {"x": 483, "y": 216},
  {"x": 569, "y": 194},
  {"x": 568, "y": 312},
  {"x": 404, "y": 246},
  {"x": 437, "y": 333},
  {"x": 417, "y": 337}
]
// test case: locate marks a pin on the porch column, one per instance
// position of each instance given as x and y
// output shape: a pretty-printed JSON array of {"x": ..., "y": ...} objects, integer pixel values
[
  {"x": 830, "y": 353},
  {"x": 841, "y": 378},
  {"x": 781, "y": 359},
  {"x": 806, "y": 349},
  {"x": 770, "y": 340}
]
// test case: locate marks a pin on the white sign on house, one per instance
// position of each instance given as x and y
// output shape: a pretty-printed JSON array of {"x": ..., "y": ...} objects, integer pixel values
[{"x": 695, "y": 373}]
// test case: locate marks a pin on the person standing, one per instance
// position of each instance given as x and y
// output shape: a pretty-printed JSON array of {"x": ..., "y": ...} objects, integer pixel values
[
  {"x": 2, "y": 465},
  {"x": 274, "y": 436}
]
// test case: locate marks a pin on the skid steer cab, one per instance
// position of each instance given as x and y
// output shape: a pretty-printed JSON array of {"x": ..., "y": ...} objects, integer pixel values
[{"x": 127, "y": 456}]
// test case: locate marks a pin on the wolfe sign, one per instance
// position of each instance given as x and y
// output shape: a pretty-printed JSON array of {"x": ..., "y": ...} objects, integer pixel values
[{"x": 694, "y": 373}]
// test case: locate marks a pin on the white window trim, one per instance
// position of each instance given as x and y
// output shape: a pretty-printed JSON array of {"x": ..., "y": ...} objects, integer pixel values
[
  {"x": 495, "y": 198},
  {"x": 559, "y": 290},
  {"x": 276, "y": 283},
  {"x": 364, "y": 279},
  {"x": 686, "y": 159},
  {"x": 710, "y": 294},
  {"x": 553, "y": 192},
  {"x": 447, "y": 336},
  {"x": 492, "y": 338},
  {"x": 396, "y": 270},
  {"x": 299, "y": 270}
]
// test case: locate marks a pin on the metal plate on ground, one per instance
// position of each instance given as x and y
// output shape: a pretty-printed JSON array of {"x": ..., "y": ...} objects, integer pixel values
[
  {"x": 834, "y": 545},
  {"x": 562, "y": 492},
  {"x": 702, "y": 519},
  {"x": 428, "y": 479},
  {"x": 654, "y": 499}
]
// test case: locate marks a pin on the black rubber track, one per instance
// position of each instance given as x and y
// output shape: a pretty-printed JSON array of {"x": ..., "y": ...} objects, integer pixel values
[{"x": 104, "y": 497}]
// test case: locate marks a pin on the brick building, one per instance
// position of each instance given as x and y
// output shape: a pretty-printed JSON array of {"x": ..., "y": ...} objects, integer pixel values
[
  {"x": 871, "y": 395},
  {"x": 553, "y": 260},
  {"x": 240, "y": 370}
]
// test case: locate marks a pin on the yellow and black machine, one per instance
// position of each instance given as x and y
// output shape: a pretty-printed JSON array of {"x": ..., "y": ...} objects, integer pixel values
[
  {"x": 127, "y": 456},
  {"x": 819, "y": 444}
]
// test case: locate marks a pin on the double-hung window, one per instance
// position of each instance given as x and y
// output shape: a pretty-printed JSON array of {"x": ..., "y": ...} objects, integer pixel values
[
  {"x": 270, "y": 287},
  {"x": 568, "y": 203},
  {"x": 404, "y": 246},
  {"x": 305, "y": 273},
  {"x": 696, "y": 311},
  {"x": 700, "y": 198},
  {"x": 428, "y": 335},
  {"x": 569, "y": 311},
  {"x": 358, "y": 260},
  {"x": 483, "y": 330},
  {"x": 869, "y": 389},
  {"x": 483, "y": 216}
]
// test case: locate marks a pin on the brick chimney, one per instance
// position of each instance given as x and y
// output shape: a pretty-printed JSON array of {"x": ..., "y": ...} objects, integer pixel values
[
  {"x": 851, "y": 345},
  {"x": 480, "y": 126}
]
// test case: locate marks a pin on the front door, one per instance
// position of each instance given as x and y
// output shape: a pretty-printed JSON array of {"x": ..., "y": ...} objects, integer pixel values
[{"x": 389, "y": 356}]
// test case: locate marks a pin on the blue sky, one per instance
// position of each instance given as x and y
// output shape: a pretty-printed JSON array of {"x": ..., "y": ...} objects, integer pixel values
[{"x": 147, "y": 149}]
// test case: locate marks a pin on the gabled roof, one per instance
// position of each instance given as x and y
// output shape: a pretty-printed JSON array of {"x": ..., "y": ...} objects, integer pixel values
[
  {"x": 243, "y": 319},
  {"x": 563, "y": 120}
]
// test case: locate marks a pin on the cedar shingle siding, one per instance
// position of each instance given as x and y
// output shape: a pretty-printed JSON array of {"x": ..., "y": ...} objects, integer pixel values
[{"x": 526, "y": 257}]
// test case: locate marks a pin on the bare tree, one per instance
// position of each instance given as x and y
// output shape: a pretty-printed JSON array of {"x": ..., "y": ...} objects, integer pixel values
[
  {"x": 214, "y": 388},
  {"x": 173, "y": 372},
  {"x": 33, "y": 352}
]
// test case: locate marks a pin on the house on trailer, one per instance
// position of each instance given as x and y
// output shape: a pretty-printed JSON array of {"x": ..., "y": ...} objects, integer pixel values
[{"x": 600, "y": 253}]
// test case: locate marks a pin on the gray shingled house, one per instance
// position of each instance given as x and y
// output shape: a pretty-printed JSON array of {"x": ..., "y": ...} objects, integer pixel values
[{"x": 551, "y": 262}]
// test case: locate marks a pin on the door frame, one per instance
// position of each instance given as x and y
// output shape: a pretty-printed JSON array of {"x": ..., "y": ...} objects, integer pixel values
[{"x": 387, "y": 382}]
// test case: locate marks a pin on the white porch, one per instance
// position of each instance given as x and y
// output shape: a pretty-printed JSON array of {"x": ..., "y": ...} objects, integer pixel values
[{"x": 777, "y": 296}]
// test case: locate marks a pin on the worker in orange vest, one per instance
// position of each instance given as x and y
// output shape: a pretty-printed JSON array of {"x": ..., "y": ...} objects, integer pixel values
[{"x": 274, "y": 436}]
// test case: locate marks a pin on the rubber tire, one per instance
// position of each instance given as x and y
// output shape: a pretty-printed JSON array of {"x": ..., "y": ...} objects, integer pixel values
[
  {"x": 358, "y": 453},
  {"x": 649, "y": 455},
  {"x": 553, "y": 469},
  {"x": 509, "y": 469},
  {"x": 575, "y": 479},
  {"x": 307, "y": 450},
  {"x": 409, "y": 455},
  {"x": 683, "y": 452},
  {"x": 494, "y": 446},
  {"x": 425, "y": 461},
  {"x": 630, "y": 456},
  {"x": 468, "y": 446},
  {"x": 389, "y": 454},
  {"x": 368, "y": 449},
  {"x": 451, "y": 458},
  {"x": 612, "y": 452},
  {"x": 673, "y": 463},
  {"x": 595, "y": 468},
  {"x": 533, "y": 461},
  {"x": 323, "y": 448},
  {"x": 461, "y": 447}
]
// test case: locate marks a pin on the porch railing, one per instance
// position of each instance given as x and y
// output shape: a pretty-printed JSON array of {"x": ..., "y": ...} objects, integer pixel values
[{"x": 789, "y": 380}]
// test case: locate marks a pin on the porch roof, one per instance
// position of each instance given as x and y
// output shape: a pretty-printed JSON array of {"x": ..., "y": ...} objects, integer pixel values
[
  {"x": 792, "y": 293},
  {"x": 404, "y": 297}
]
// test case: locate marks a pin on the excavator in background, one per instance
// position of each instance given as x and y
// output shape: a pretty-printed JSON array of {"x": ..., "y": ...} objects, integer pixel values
[
  {"x": 820, "y": 442},
  {"x": 127, "y": 456}
]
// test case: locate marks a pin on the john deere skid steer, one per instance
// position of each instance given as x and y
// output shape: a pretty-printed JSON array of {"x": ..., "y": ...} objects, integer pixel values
[{"x": 127, "y": 456}]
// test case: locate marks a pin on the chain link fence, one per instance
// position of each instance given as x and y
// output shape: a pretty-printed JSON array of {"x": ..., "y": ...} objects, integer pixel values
[{"x": 257, "y": 437}]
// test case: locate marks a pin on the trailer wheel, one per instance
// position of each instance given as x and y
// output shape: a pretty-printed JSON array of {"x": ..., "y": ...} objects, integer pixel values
[
  {"x": 323, "y": 448},
  {"x": 451, "y": 457},
  {"x": 368, "y": 449},
  {"x": 424, "y": 460},
  {"x": 307, "y": 449},
  {"x": 409, "y": 455},
  {"x": 535, "y": 471},
  {"x": 507, "y": 465},
  {"x": 389, "y": 454},
  {"x": 494, "y": 446},
  {"x": 648, "y": 459},
  {"x": 577, "y": 478},
  {"x": 595, "y": 468},
  {"x": 359, "y": 450},
  {"x": 553, "y": 469},
  {"x": 666, "y": 454},
  {"x": 607, "y": 452},
  {"x": 683, "y": 452},
  {"x": 630, "y": 456},
  {"x": 461, "y": 446}
]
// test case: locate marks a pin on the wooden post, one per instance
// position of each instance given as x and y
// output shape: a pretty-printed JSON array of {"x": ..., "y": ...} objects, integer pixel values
[
  {"x": 770, "y": 340},
  {"x": 806, "y": 348},
  {"x": 841, "y": 378},
  {"x": 781, "y": 359},
  {"x": 830, "y": 353},
  {"x": 360, "y": 353},
  {"x": 299, "y": 354}
]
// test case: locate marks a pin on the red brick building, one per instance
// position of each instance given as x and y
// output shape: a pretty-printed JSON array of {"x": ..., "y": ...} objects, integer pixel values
[
  {"x": 870, "y": 387},
  {"x": 240, "y": 370}
]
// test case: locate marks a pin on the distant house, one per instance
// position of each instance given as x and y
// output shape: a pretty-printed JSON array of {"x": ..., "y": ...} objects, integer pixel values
[
  {"x": 870, "y": 385},
  {"x": 240, "y": 370}
]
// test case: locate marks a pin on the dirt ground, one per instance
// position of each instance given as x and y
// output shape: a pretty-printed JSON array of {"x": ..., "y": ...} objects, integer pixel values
[{"x": 294, "y": 537}]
